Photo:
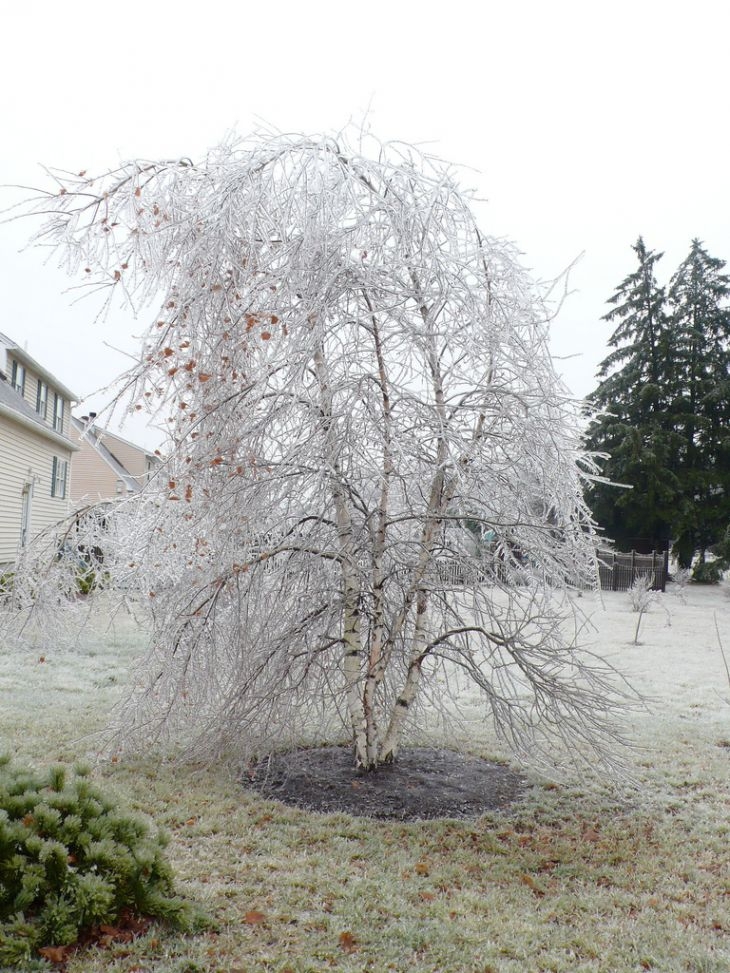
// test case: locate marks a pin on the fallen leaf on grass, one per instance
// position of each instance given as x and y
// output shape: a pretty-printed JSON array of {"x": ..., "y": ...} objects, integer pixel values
[
  {"x": 348, "y": 943},
  {"x": 254, "y": 918},
  {"x": 421, "y": 868},
  {"x": 134, "y": 923},
  {"x": 112, "y": 934},
  {"x": 530, "y": 882},
  {"x": 55, "y": 954}
]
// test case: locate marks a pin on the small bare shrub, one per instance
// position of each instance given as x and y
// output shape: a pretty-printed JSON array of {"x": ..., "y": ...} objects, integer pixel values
[
  {"x": 640, "y": 594},
  {"x": 681, "y": 578},
  {"x": 641, "y": 597}
]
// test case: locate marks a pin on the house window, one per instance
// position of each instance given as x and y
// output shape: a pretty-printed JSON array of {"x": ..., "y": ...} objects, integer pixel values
[
  {"x": 58, "y": 405},
  {"x": 59, "y": 475},
  {"x": 41, "y": 400},
  {"x": 17, "y": 379}
]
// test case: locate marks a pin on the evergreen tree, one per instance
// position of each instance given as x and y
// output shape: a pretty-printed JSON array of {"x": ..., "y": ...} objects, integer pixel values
[
  {"x": 700, "y": 318},
  {"x": 632, "y": 400},
  {"x": 664, "y": 408}
]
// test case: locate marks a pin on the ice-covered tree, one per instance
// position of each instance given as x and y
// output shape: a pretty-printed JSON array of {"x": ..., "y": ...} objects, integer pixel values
[
  {"x": 664, "y": 395},
  {"x": 700, "y": 316},
  {"x": 357, "y": 383},
  {"x": 632, "y": 400}
]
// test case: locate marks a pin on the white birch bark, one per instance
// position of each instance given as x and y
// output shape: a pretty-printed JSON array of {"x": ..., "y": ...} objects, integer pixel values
[{"x": 352, "y": 643}]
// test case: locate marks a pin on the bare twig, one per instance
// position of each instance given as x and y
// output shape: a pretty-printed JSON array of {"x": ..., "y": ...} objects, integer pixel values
[{"x": 722, "y": 649}]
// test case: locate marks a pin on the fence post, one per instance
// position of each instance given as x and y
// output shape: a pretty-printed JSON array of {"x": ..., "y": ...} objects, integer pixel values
[
  {"x": 614, "y": 584},
  {"x": 654, "y": 583}
]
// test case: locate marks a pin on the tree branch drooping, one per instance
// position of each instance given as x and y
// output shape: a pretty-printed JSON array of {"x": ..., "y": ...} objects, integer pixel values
[{"x": 373, "y": 469}]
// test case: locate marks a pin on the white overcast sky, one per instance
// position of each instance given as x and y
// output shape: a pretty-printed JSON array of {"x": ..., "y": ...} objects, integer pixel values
[{"x": 585, "y": 124}]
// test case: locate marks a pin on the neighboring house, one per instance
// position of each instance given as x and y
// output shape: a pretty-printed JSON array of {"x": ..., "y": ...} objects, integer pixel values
[
  {"x": 35, "y": 449},
  {"x": 106, "y": 467}
]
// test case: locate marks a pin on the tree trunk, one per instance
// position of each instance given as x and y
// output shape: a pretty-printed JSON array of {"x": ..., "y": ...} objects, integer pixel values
[{"x": 389, "y": 749}]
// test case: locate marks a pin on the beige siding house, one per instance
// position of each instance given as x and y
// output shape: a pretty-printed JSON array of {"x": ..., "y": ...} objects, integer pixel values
[
  {"x": 106, "y": 466},
  {"x": 35, "y": 449}
]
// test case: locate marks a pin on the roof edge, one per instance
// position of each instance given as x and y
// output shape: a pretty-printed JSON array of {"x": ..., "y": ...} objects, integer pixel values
[
  {"x": 101, "y": 432},
  {"x": 28, "y": 360},
  {"x": 37, "y": 428}
]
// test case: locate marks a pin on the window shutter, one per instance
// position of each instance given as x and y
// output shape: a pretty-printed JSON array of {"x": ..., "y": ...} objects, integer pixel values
[{"x": 54, "y": 470}]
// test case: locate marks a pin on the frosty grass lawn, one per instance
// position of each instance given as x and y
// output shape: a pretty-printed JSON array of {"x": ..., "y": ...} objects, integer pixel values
[{"x": 576, "y": 878}]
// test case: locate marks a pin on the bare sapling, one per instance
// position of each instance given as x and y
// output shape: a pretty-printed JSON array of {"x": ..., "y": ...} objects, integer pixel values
[
  {"x": 641, "y": 598},
  {"x": 641, "y": 594},
  {"x": 681, "y": 578},
  {"x": 722, "y": 648},
  {"x": 355, "y": 380}
]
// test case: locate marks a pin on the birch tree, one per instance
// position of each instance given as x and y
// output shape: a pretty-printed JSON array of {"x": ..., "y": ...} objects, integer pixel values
[{"x": 357, "y": 383}]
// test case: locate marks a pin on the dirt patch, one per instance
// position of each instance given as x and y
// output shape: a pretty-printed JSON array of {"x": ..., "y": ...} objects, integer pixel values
[{"x": 423, "y": 783}]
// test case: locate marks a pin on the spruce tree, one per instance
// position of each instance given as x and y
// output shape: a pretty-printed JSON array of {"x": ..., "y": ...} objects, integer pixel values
[
  {"x": 700, "y": 320},
  {"x": 632, "y": 401}
]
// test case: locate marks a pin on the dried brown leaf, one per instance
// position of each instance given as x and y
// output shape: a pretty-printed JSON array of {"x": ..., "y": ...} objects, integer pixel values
[
  {"x": 55, "y": 954},
  {"x": 254, "y": 918},
  {"x": 348, "y": 943},
  {"x": 530, "y": 882}
]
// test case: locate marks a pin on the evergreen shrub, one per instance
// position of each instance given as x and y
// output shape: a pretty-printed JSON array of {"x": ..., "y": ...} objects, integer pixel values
[
  {"x": 708, "y": 572},
  {"x": 88, "y": 580},
  {"x": 71, "y": 859}
]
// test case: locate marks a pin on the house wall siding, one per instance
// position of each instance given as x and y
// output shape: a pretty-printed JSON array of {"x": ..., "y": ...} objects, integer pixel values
[
  {"x": 30, "y": 394},
  {"x": 27, "y": 458},
  {"x": 133, "y": 459},
  {"x": 92, "y": 479}
]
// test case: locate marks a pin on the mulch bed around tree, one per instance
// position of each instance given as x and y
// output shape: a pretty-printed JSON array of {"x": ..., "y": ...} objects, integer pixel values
[{"x": 423, "y": 783}]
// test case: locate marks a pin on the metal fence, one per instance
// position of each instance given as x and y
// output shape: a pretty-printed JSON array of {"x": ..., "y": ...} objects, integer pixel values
[{"x": 619, "y": 571}]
